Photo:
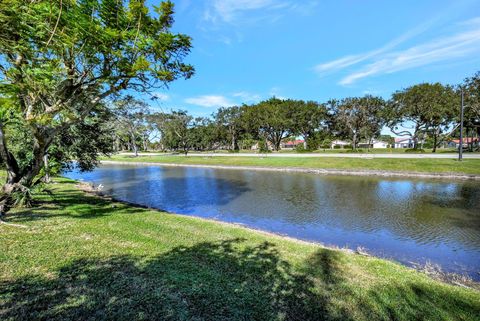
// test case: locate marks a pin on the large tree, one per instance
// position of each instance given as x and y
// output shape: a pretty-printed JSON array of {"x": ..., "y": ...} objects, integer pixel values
[
  {"x": 272, "y": 120},
  {"x": 230, "y": 124},
  {"x": 358, "y": 117},
  {"x": 60, "y": 59},
  {"x": 310, "y": 118},
  {"x": 422, "y": 109},
  {"x": 131, "y": 117},
  {"x": 178, "y": 131}
]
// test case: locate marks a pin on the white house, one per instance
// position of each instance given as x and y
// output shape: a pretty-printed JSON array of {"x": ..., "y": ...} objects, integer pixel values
[
  {"x": 340, "y": 143},
  {"x": 374, "y": 144},
  {"x": 404, "y": 142}
]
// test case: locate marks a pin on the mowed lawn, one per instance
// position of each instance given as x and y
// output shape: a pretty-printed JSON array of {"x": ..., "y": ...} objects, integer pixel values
[
  {"x": 467, "y": 166},
  {"x": 81, "y": 257}
]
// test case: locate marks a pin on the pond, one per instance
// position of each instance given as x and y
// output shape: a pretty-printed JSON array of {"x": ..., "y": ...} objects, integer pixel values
[{"x": 408, "y": 220}]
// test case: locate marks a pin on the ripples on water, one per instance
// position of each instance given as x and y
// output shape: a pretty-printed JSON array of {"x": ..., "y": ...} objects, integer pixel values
[{"x": 410, "y": 220}]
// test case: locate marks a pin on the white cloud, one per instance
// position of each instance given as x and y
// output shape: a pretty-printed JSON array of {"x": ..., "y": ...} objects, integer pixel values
[
  {"x": 161, "y": 96},
  {"x": 247, "y": 97},
  {"x": 230, "y": 11},
  {"x": 385, "y": 59},
  {"x": 210, "y": 101},
  {"x": 437, "y": 50},
  {"x": 347, "y": 61}
]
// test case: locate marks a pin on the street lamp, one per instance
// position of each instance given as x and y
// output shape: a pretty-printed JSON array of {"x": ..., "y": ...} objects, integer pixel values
[{"x": 460, "y": 145}]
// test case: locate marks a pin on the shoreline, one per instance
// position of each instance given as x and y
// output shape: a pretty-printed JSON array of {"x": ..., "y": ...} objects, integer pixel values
[
  {"x": 318, "y": 171},
  {"x": 431, "y": 270}
]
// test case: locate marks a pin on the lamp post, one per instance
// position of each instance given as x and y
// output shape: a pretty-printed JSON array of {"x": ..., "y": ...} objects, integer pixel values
[{"x": 460, "y": 146}]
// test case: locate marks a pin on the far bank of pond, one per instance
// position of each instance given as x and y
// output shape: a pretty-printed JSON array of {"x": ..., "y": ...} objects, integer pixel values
[
  {"x": 407, "y": 219},
  {"x": 415, "y": 166}
]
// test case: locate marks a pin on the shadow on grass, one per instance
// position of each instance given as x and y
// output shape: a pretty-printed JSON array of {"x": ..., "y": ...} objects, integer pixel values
[
  {"x": 71, "y": 203},
  {"x": 209, "y": 281},
  {"x": 226, "y": 280}
]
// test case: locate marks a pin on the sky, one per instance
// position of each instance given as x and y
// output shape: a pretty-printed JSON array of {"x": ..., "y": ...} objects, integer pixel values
[{"x": 245, "y": 51}]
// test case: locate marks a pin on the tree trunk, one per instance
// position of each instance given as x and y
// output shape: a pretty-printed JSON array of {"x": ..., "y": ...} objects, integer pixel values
[
  {"x": 145, "y": 143},
  {"x": 45, "y": 164},
  {"x": 16, "y": 180},
  {"x": 235, "y": 146}
]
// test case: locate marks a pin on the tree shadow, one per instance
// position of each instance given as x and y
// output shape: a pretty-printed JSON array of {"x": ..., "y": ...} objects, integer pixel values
[
  {"x": 72, "y": 203},
  {"x": 209, "y": 281},
  {"x": 224, "y": 280}
]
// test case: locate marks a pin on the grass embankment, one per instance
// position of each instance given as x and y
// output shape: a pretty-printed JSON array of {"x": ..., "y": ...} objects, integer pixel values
[
  {"x": 467, "y": 166},
  {"x": 83, "y": 257}
]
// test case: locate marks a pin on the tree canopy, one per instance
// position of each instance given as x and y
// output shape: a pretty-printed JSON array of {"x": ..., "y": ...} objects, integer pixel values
[{"x": 60, "y": 59}]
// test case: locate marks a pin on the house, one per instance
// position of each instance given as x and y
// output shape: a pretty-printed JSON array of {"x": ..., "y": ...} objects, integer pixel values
[
  {"x": 374, "y": 144},
  {"x": 466, "y": 141},
  {"x": 340, "y": 143},
  {"x": 291, "y": 144},
  {"x": 403, "y": 142}
]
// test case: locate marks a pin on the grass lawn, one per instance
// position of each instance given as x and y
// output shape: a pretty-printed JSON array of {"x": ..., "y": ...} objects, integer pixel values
[
  {"x": 82, "y": 257},
  {"x": 467, "y": 166}
]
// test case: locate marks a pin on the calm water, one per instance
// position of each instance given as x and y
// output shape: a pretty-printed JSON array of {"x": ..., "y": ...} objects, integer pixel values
[{"x": 409, "y": 220}]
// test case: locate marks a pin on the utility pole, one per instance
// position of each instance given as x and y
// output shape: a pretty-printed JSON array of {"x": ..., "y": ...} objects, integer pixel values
[{"x": 460, "y": 146}]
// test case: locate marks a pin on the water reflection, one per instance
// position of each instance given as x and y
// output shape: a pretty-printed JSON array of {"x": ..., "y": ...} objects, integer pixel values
[{"x": 405, "y": 219}]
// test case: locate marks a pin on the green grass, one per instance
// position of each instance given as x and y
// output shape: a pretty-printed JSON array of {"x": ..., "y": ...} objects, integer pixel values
[
  {"x": 467, "y": 166},
  {"x": 81, "y": 257}
]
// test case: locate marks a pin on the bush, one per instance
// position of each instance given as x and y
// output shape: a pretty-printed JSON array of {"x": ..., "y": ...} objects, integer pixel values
[
  {"x": 263, "y": 147},
  {"x": 413, "y": 150},
  {"x": 337, "y": 147},
  {"x": 358, "y": 150},
  {"x": 301, "y": 149}
]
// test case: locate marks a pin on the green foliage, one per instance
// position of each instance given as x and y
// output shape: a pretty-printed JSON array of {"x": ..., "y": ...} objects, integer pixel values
[
  {"x": 60, "y": 59},
  {"x": 24, "y": 197},
  {"x": 272, "y": 120},
  {"x": 429, "y": 107},
  {"x": 357, "y": 118},
  {"x": 414, "y": 150}
]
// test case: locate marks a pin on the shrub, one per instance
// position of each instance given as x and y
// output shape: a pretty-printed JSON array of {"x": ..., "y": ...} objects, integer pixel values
[
  {"x": 358, "y": 150},
  {"x": 413, "y": 150},
  {"x": 300, "y": 148}
]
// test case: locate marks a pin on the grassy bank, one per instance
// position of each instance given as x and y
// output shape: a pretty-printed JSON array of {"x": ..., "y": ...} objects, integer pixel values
[
  {"x": 467, "y": 166},
  {"x": 83, "y": 257}
]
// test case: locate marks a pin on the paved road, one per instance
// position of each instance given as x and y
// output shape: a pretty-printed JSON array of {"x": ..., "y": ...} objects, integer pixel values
[{"x": 318, "y": 155}]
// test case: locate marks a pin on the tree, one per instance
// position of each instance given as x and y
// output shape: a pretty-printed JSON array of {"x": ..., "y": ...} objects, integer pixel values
[
  {"x": 272, "y": 119},
  {"x": 358, "y": 118},
  {"x": 471, "y": 88},
  {"x": 309, "y": 118},
  {"x": 427, "y": 107},
  {"x": 204, "y": 134},
  {"x": 178, "y": 133},
  {"x": 131, "y": 117},
  {"x": 230, "y": 124},
  {"x": 60, "y": 59}
]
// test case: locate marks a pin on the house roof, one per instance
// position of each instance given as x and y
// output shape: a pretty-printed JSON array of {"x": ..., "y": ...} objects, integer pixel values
[
  {"x": 401, "y": 139},
  {"x": 466, "y": 140},
  {"x": 295, "y": 142}
]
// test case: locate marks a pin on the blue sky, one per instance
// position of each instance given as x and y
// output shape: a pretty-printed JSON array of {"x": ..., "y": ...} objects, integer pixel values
[{"x": 248, "y": 50}]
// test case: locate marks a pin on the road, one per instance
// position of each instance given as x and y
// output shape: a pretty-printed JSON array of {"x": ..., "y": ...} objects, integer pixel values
[{"x": 319, "y": 155}]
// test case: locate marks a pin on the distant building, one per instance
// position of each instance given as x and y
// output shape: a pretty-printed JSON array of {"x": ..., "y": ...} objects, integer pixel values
[
  {"x": 340, "y": 143},
  {"x": 403, "y": 142},
  {"x": 466, "y": 141},
  {"x": 291, "y": 144},
  {"x": 374, "y": 144}
]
